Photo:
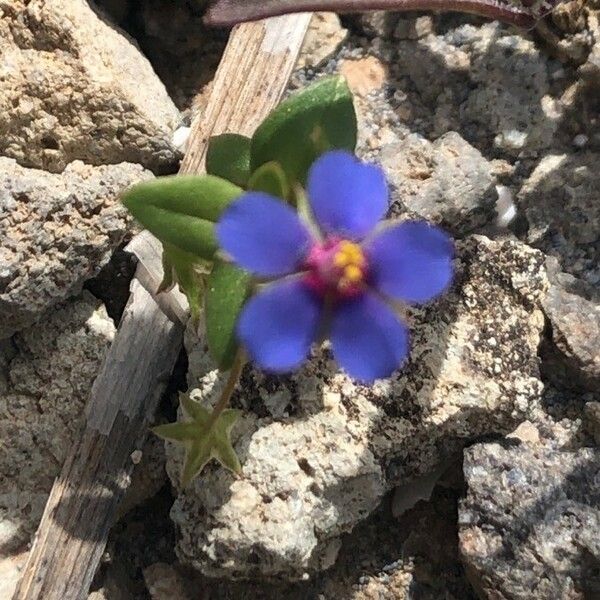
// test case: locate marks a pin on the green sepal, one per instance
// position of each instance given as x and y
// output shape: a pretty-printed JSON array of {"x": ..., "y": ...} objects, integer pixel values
[
  {"x": 270, "y": 178},
  {"x": 319, "y": 118},
  {"x": 181, "y": 210},
  {"x": 226, "y": 291},
  {"x": 228, "y": 156},
  {"x": 203, "y": 439},
  {"x": 188, "y": 272}
]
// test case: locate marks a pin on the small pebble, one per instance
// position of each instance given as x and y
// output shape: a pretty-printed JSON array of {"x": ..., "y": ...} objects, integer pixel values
[{"x": 580, "y": 140}]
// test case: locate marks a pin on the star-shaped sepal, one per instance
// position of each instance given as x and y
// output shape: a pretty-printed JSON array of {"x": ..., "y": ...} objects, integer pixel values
[{"x": 204, "y": 437}]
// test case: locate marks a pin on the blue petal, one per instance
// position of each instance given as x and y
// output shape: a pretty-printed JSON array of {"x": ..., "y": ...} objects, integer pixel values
[
  {"x": 263, "y": 235},
  {"x": 278, "y": 325},
  {"x": 369, "y": 341},
  {"x": 348, "y": 197},
  {"x": 411, "y": 261}
]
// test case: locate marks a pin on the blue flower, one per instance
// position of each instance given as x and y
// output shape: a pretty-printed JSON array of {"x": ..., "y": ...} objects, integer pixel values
[{"x": 340, "y": 277}]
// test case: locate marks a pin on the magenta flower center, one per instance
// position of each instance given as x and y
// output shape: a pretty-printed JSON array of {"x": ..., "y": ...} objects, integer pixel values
[{"x": 336, "y": 267}]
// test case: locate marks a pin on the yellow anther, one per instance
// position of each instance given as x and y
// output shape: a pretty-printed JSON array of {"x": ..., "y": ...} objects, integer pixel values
[
  {"x": 353, "y": 273},
  {"x": 340, "y": 259}
]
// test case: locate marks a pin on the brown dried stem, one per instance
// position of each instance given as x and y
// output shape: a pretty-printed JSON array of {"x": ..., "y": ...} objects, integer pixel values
[{"x": 231, "y": 12}]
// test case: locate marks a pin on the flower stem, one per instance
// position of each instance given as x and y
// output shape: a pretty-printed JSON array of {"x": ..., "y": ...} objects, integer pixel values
[{"x": 234, "y": 376}]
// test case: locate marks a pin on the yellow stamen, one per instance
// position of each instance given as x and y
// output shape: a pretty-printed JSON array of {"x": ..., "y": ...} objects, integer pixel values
[
  {"x": 341, "y": 260},
  {"x": 353, "y": 273},
  {"x": 351, "y": 261}
]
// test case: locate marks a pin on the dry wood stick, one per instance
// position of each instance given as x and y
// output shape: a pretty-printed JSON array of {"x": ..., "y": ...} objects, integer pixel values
[{"x": 71, "y": 537}]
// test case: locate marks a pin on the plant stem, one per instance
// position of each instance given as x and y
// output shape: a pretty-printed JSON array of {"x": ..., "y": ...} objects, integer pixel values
[
  {"x": 234, "y": 376},
  {"x": 231, "y": 12}
]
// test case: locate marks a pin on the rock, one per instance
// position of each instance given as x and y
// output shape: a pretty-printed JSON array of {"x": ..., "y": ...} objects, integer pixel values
[
  {"x": 472, "y": 79},
  {"x": 575, "y": 325},
  {"x": 364, "y": 75},
  {"x": 11, "y": 568},
  {"x": 184, "y": 52},
  {"x": 149, "y": 474},
  {"x": 413, "y": 28},
  {"x": 165, "y": 583},
  {"x": 528, "y": 527},
  {"x": 512, "y": 94},
  {"x": 46, "y": 373},
  {"x": 377, "y": 23},
  {"x": 324, "y": 36},
  {"x": 560, "y": 201},
  {"x": 433, "y": 64},
  {"x": 74, "y": 87},
  {"x": 323, "y": 463},
  {"x": 57, "y": 230},
  {"x": 592, "y": 420},
  {"x": 448, "y": 182}
]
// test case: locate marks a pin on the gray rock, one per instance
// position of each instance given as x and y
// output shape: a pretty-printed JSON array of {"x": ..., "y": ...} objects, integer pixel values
[
  {"x": 448, "y": 182},
  {"x": 319, "y": 451},
  {"x": 562, "y": 204},
  {"x": 487, "y": 82},
  {"x": 528, "y": 527},
  {"x": 57, "y": 230},
  {"x": 592, "y": 420},
  {"x": 46, "y": 374},
  {"x": 512, "y": 95},
  {"x": 434, "y": 65},
  {"x": 73, "y": 87},
  {"x": 575, "y": 323}
]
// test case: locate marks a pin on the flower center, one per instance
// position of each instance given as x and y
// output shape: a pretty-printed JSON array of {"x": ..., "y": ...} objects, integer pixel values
[{"x": 337, "y": 267}]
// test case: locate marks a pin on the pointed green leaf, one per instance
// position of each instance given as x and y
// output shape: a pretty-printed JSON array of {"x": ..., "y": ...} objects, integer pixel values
[
  {"x": 193, "y": 409},
  {"x": 226, "y": 291},
  {"x": 179, "y": 432},
  {"x": 182, "y": 210},
  {"x": 315, "y": 120},
  {"x": 270, "y": 178},
  {"x": 211, "y": 443},
  {"x": 228, "y": 156},
  {"x": 196, "y": 458},
  {"x": 222, "y": 449}
]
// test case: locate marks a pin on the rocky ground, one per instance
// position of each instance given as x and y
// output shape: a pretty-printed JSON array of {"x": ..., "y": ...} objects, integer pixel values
[{"x": 473, "y": 473}]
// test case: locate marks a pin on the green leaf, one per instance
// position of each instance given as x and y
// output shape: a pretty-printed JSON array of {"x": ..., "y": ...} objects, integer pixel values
[
  {"x": 270, "y": 178},
  {"x": 226, "y": 292},
  {"x": 193, "y": 409},
  {"x": 188, "y": 272},
  {"x": 176, "y": 432},
  {"x": 228, "y": 156},
  {"x": 203, "y": 438},
  {"x": 182, "y": 210},
  {"x": 301, "y": 128}
]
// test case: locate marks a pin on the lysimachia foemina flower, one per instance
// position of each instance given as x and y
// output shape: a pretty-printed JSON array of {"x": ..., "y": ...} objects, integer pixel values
[{"x": 339, "y": 278}]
